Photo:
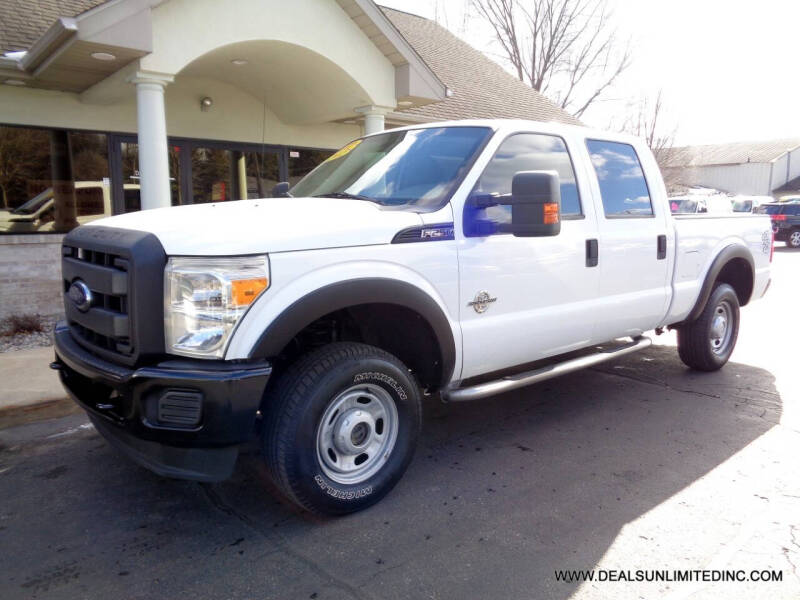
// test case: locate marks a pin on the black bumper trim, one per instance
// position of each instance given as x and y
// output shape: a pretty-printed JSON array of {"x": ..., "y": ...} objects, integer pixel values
[
  {"x": 125, "y": 401},
  {"x": 196, "y": 464}
]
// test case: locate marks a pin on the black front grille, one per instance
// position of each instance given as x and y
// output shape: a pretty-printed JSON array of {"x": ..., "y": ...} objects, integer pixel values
[
  {"x": 123, "y": 270},
  {"x": 105, "y": 325}
]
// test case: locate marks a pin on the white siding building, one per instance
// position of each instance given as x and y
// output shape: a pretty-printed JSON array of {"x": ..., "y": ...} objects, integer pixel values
[{"x": 753, "y": 168}]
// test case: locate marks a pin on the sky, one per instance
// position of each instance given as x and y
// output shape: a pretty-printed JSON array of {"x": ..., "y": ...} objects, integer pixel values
[{"x": 727, "y": 69}]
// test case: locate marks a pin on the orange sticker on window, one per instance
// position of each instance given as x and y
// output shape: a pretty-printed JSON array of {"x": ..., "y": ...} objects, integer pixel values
[
  {"x": 550, "y": 213},
  {"x": 244, "y": 291},
  {"x": 344, "y": 151}
]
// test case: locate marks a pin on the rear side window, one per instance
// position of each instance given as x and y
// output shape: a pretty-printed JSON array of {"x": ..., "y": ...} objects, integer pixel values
[
  {"x": 793, "y": 210},
  {"x": 623, "y": 187},
  {"x": 770, "y": 209}
]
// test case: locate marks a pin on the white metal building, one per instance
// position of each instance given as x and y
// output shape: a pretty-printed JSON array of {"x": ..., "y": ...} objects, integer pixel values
[{"x": 770, "y": 168}]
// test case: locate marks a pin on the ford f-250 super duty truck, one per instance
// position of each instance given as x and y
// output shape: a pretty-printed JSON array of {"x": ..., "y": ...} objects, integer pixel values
[{"x": 463, "y": 258}]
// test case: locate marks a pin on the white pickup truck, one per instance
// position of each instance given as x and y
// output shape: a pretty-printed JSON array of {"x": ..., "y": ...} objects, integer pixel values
[{"x": 463, "y": 258}]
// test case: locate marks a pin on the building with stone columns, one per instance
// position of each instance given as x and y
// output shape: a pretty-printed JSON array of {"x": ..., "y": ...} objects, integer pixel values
[{"x": 119, "y": 105}]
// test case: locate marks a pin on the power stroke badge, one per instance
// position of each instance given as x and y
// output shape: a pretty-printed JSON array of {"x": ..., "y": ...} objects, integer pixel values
[{"x": 481, "y": 302}]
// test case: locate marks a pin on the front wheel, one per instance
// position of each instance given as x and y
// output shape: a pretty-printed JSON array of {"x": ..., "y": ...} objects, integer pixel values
[
  {"x": 340, "y": 428},
  {"x": 707, "y": 343}
]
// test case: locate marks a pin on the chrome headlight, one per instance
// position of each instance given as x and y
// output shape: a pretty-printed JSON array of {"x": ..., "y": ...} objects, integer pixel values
[{"x": 204, "y": 298}]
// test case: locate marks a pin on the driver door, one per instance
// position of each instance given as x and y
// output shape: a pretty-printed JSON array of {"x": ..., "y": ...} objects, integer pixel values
[{"x": 524, "y": 299}]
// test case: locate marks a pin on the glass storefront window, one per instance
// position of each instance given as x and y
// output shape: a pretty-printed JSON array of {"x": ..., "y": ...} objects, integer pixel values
[
  {"x": 219, "y": 174},
  {"x": 131, "y": 185},
  {"x": 261, "y": 171},
  {"x": 25, "y": 179},
  {"x": 52, "y": 180},
  {"x": 212, "y": 175}
]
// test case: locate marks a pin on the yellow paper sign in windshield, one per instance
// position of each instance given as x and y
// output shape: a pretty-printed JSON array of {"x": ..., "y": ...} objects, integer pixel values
[{"x": 344, "y": 151}]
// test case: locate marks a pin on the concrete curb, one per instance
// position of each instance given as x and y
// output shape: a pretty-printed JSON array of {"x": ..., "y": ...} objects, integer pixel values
[
  {"x": 30, "y": 390},
  {"x": 39, "y": 411}
]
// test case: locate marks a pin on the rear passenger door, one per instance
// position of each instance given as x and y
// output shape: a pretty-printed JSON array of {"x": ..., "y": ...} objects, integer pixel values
[{"x": 634, "y": 242}]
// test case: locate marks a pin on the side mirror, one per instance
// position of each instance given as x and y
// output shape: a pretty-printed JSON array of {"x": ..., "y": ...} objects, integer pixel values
[
  {"x": 535, "y": 204},
  {"x": 281, "y": 190}
]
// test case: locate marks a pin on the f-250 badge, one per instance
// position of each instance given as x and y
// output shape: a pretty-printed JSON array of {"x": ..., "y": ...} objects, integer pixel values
[{"x": 482, "y": 302}]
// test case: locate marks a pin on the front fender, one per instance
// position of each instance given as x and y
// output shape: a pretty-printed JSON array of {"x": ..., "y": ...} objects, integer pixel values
[{"x": 276, "y": 317}]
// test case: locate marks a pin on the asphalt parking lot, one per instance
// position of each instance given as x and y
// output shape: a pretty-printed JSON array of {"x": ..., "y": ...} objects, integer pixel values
[{"x": 637, "y": 464}]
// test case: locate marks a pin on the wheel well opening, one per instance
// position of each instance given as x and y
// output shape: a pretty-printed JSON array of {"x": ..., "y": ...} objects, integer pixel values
[
  {"x": 738, "y": 273},
  {"x": 396, "y": 329}
]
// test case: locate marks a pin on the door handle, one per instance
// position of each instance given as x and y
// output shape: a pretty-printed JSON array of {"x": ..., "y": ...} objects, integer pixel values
[
  {"x": 661, "y": 253},
  {"x": 591, "y": 253}
]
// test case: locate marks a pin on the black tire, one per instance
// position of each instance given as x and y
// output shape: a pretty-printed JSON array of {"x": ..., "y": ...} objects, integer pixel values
[
  {"x": 696, "y": 340},
  {"x": 293, "y": 411},
  {"x": 793, "y": 241}
]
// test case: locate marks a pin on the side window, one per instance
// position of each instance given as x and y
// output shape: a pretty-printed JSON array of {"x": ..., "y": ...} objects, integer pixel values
[
  {"x": 521, "y": 152},
  {"x": 623, "y": 187}
]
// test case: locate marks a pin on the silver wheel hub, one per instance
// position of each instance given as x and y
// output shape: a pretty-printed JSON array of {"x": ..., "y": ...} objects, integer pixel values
[
  {"x": 353, "y": 431},
  {"x": 357, "y": 433},
  {"x": 721, "y": 331},
  {"x": 795, "y": 238}
]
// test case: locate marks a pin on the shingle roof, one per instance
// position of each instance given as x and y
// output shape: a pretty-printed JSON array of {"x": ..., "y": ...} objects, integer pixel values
[
  {"x": 22, "y": 22},
  {"x": 482, "y": 89},
  {"x": 728, "y": 154}
]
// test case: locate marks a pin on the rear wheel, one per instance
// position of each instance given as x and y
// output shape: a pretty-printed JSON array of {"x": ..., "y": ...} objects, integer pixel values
[
  {"x": 707, "y": 343},
  {"x": 794, "y": 239},
  {"x": 341, "y": 425}
]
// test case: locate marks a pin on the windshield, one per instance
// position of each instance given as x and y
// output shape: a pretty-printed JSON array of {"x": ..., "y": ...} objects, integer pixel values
[
  {"x": 685, "y": 206},
  {"x": 34, "y": 204},
  {"x": 770, "y": 209},
  {"x": 743, "y": 206},
  {"x": 418, "y": 168}
]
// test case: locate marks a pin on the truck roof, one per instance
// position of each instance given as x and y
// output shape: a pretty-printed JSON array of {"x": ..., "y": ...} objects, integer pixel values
[{"x": 518, "y": 124}]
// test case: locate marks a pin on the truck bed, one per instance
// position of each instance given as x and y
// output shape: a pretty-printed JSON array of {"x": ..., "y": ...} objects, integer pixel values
[{"x": 699, "y": 238}]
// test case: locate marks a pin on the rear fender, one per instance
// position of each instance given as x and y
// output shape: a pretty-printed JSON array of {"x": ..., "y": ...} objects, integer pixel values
[{"x": 727, "y": 254}]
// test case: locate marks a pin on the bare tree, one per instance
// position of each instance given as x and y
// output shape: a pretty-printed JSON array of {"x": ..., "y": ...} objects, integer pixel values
[
  {"x": 565, "y": 49},
  {"x": 645, "y": 119},
  {"x": 24, "y": 156}
]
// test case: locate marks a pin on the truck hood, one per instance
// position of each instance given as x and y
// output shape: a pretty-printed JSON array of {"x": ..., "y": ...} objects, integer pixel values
[{"x": 266, "y": 225}]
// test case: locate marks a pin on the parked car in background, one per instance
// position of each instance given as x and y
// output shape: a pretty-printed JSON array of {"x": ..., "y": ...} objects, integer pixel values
[
  {"x": 38, "y": 209},
  {"x": 689, "y": 205},
  {"x": 37, "y": 215},
  {"x": 785, "y": 221},
  {"x": 746, "y": 204}
]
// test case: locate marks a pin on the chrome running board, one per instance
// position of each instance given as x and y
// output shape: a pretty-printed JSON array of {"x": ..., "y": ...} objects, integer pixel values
[{"x": 512, "y": 382}]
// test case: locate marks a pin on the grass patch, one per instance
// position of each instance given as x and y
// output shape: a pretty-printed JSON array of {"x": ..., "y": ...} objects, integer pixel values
[{"x": 21, "y": 324}]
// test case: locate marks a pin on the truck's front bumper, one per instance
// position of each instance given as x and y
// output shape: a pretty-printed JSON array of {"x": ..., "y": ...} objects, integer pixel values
[{"x": 178, "y": 418}]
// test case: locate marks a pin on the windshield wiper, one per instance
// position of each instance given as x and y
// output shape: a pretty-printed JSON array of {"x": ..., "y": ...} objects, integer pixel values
[{"x": 345, "y": 195}]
